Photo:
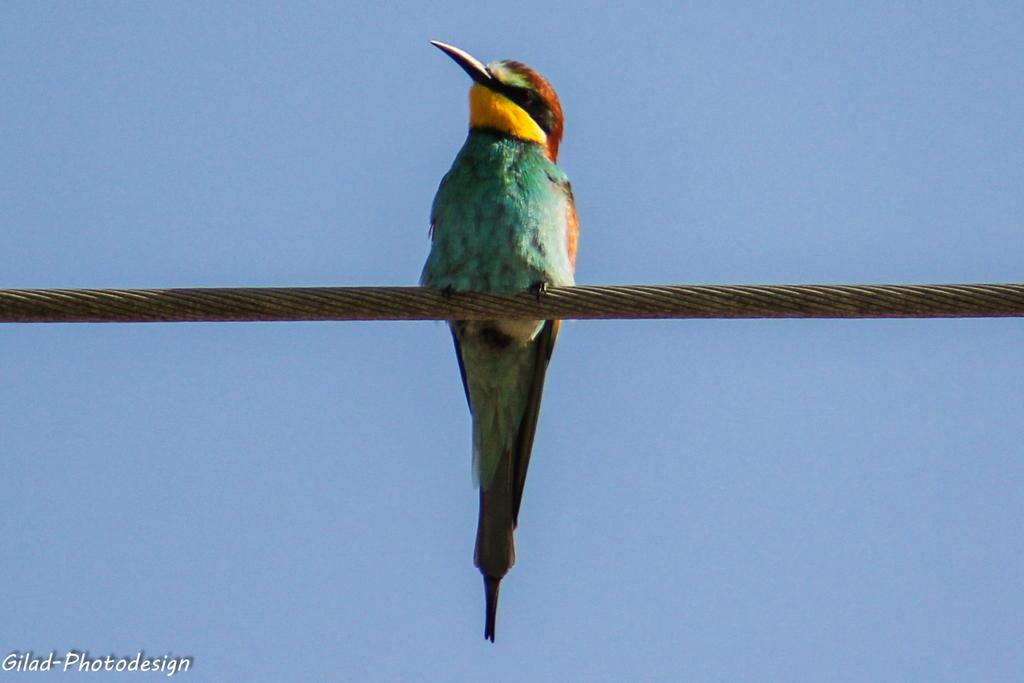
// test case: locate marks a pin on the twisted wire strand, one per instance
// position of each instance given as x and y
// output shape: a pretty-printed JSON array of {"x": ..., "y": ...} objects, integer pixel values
[{"x": 583, "y": 302}]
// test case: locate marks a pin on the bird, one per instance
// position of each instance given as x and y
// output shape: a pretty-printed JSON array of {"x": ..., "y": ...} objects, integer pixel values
[{"x": 503, "y": 221}]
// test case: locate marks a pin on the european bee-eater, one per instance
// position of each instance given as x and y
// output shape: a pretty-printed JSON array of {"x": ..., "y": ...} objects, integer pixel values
[{"x": 503, "y": 221}]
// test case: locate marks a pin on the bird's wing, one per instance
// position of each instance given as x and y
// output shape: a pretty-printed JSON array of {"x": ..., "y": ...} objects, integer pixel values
[
  {"x": 572, "y": 221},
  {"x": 544, "y": 344},
  {"x": 462, "y": 365},
  {"x": 572, "y": 225}
]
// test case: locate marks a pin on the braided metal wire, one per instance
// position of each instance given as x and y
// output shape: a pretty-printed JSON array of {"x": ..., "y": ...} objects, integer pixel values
[{"x": 583, "y": 302}]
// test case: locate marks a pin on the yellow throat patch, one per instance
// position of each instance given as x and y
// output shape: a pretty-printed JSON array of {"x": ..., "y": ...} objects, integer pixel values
[{"x": 488, "y": 109}]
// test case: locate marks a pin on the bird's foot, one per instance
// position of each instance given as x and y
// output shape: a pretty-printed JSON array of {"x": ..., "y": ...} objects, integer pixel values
[{"x": 539, "y": 289}]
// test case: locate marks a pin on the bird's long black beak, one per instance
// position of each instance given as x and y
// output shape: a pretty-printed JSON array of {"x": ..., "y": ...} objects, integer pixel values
[{"x": 470, "y": 64}]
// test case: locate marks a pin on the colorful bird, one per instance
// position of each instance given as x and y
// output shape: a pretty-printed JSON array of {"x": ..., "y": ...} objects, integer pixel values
[{"x": 503, "y": 221}]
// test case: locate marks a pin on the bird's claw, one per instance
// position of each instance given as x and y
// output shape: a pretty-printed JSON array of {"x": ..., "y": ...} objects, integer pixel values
[{"x": 539, "y": 290}]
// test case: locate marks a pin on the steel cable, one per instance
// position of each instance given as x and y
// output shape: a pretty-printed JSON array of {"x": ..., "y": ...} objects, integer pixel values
[{"x": 583, "y": 302}]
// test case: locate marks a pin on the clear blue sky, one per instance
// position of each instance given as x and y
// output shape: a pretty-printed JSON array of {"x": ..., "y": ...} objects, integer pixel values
[{"x": 708, "y": 500}]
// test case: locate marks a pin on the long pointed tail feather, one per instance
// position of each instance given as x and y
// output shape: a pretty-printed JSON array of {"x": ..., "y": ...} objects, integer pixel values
[
  {"x": 521, "y": 372},
  {"x": 495, "y": 549},
  {"x": 491, "y": 585}
]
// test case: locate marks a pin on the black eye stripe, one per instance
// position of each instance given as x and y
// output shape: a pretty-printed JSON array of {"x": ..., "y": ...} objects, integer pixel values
[{"x": 535, "y": 106}]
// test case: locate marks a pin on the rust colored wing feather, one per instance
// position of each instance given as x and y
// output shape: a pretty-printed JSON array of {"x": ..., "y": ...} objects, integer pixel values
[{"x": 572, "y": 234}]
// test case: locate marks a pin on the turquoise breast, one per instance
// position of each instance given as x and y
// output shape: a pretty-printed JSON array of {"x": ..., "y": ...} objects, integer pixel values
[{"x": 499, "y": 219}]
